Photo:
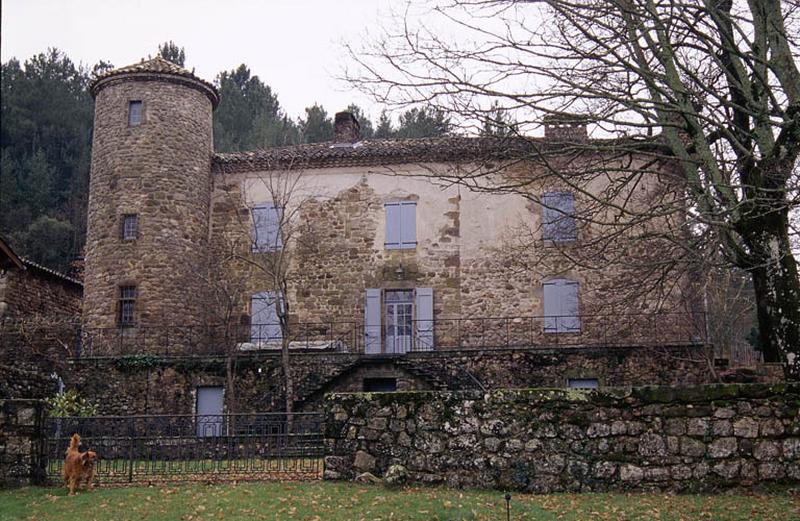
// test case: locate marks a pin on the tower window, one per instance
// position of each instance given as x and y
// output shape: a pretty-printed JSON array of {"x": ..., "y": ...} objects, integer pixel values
[
  {"x": 134, "y": 113},
  {"x": 127, "y": 303},
  {"x": 130, "y": 227}
]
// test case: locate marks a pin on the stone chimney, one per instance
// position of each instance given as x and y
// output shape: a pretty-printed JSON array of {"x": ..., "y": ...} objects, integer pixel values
[
  {"x": 346, "y": 128},
  {"x": 565, "y": 127}
]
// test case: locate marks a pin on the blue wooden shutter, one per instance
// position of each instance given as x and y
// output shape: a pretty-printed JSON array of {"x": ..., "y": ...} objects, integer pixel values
[
  {"x": 210, "y": 403},
  {"x": 393, "y": 217},
  {"x": 372, "y": 321},
  {"x": 569, "y": 307},
  {"x": 561, "y": 311},
  {"x": 424, "y": 341},
  {"x": 552, "y": 307},
  {"x": 408, "y": 224},
  {"x": 267, "y": 228},
  {"x": 274, "y": 216},
  {"x": 558, "y": 217},
  {"x": 264, "y": 323}
]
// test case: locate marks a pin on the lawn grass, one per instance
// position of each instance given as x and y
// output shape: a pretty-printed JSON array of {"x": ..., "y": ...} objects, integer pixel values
[{"x": 335, "y": 501}]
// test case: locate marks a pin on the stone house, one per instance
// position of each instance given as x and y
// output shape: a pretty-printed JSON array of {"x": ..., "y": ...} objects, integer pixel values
[
  {"x": 30, "y": 289},
  {"x": 382, "y": 273}
]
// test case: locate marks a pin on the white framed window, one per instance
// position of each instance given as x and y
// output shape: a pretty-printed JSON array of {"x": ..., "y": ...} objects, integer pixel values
[
  {"x": 401, "y": 225},
  {"x": 558, "y": 217}
]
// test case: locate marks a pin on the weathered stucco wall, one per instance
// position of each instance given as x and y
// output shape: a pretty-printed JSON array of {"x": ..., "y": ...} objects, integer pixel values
[
  {"x": 697, "y": 438},
  {"x": 468, "y": 251}
]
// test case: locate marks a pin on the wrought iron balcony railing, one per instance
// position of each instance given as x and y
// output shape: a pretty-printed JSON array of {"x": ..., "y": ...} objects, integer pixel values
[{"x": 414, "y": 336}]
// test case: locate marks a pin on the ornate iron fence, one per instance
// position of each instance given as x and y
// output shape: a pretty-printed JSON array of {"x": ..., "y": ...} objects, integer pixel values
[{"x": 191, "y": 447}]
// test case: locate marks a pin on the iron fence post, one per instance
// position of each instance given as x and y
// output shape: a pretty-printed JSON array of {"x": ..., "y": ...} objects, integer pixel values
[{"x": 132, "y": 431}]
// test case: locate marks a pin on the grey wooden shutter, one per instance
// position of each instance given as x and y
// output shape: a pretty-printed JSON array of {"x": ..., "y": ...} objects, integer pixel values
[
  {"x": 210, "y": 404},
  {"x": 424, "y": 340},
  {"x": 561, "y": 311},
  {"x": 408, "y": 224},
  {"x": 372, "y": 321},
  {"x": 569, "y": 307},
  {"x": 558, "y": 217},
  {"x": 552, "y": 307},
  {"x": 273, "y": 228},
  {"x": 259, "y": 316},
  {"x": 393, "y": 217},
  {"x": 267, "y": 227},
  {"x": 264, "y": 323}
]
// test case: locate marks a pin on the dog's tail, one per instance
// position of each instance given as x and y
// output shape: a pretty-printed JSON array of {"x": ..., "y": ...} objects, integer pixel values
[{"x": 74, "y": 443}]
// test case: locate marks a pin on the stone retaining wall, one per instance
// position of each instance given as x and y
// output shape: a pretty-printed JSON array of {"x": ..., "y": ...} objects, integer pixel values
[
  {"x": 546, "y": 440},
  {"x": 20, "y": 436}
]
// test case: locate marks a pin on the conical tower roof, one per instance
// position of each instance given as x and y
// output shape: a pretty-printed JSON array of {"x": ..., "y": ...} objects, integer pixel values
[{"x": 156, "y": 68}]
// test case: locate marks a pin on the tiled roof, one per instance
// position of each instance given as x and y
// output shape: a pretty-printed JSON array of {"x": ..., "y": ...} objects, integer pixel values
[
  {"x": 159, "y": 66},
  {"x": 378, "y": 152},
  {"x": 57, "y": 274}
]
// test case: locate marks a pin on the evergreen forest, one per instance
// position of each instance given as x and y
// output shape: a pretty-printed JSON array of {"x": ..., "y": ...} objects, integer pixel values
[{"x": 46, "y": 135}]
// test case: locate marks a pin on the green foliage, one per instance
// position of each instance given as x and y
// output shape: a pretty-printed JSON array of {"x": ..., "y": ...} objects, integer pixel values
[
  {"x": 45, "y": 134},
  {"x": 249, "y": 115},
  {"x": 499, "y": 123},
  {"x": 70, "y": 404},
  {"x": 422, "y": 122},
  {"x": 136, "y": 362},
  {"x": 384, "y": 129},
  {"x": 366, "y": 125},
  {"x": 317, "y": 125},
  {"x": 171, "y": 52}
]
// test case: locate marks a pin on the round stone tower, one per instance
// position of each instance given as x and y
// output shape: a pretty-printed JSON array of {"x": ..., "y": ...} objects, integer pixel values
[{"x": 149, "y": 199}]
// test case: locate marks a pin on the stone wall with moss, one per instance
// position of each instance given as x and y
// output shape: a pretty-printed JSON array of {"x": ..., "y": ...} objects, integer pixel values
[
  {"x": 20, "y": 434},
  {"x": 546, "y": 440}
]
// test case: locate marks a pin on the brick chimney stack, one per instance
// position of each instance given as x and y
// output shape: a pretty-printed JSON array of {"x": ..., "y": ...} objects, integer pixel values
[
  {"x": 565, "y": 127},
  {"x": 346, "y": 128}
]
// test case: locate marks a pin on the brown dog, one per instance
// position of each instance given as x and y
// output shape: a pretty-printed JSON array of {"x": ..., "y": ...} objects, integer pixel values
[{"x": 78, "y": 465}]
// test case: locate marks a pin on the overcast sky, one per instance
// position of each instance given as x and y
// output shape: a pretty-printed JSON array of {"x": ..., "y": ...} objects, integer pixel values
[{"x": 293, "y": 46}]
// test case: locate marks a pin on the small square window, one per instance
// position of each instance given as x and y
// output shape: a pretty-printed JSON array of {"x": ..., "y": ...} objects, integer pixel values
[
  {"x": 583, "y": 383},
  {"x": 130, "y": 227},
  {"x": 134, "y": 113},
  {"x": 127, "y": 304}
]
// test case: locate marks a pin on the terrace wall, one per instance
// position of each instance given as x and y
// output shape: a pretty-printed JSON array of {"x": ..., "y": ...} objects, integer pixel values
[
  {"x": 697, "y": 438},
  {"x": 20, "y": 437}
]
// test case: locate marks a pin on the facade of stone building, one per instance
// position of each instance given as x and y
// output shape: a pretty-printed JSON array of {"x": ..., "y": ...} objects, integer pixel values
[
  {"x": 352, "y": 248},
  {"x": 29, "y": 289}
]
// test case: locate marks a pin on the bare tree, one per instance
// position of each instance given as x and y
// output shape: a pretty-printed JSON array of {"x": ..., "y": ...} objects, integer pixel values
[
  {"x": 706, "y": 94},
  {"x": 265, "y": 231}
]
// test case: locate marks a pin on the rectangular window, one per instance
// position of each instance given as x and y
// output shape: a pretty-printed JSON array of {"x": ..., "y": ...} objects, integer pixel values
[
  {"x": 127, "y": 304},
  {"x": 558, "y": 217},
  {"x": 130, "y": 227},
  {"x": 583, "y": 383},
  {"x": 401, "y": 225},
  {"x": 134, "y": 113},
  {"x": 267, "y": 228},
  {"x": 561, "y": 310}
]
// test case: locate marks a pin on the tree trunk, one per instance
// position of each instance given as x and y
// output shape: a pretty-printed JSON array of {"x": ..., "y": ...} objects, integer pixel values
[
  {"x": 287, "y": 375},
  {"x": 777, "y": 291}
]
